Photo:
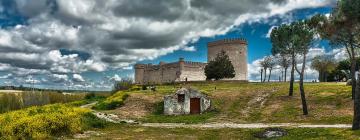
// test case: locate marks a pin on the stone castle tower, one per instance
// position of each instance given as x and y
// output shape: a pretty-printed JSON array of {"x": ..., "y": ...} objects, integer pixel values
[
  {"x": 236, "y": 49},
  {"x": 182, "y": 70}
]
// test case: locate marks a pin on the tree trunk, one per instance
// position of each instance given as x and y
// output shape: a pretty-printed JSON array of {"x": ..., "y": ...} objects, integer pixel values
[
  {"x": 269, "y": 74},
  {"x": 285, "y": 74},
  {"x": 264, "y": 75},
  {"x": 291, "y": 89},
  {"x": 356, "y": 119},
  {"x": 302, "y": 91},
  {"x": 325, "y": 76},
  {"x": 353, "y": 81},
  {"x": 321, "y": 76},
  {"x": 261, "y": 76}
]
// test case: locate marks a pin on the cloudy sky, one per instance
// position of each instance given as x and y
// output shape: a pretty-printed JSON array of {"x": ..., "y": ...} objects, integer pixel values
[{"x": 91, "y": 43}]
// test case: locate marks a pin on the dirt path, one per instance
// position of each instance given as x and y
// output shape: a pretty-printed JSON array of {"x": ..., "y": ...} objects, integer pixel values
[
  {"x": 89, "y": 105},
  {"x": 247, "y": 126}
]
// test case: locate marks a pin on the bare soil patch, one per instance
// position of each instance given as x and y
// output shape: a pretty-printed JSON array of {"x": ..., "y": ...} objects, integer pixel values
[{"x": 136, "y": 106}]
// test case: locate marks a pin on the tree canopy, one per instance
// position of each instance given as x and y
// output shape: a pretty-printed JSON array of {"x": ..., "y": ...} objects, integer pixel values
[
  {"x": 324, "y": 64},
  {"x": 219, "y": 68}
]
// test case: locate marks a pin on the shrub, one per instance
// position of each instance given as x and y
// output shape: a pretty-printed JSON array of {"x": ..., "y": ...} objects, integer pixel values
[
  {"x": 90, "y": 95},
  {"x": 112, "y": 102},
  {"x": 91, "y": 121},
  {"x": 43, "y": 122},
  {"x": 124, "y": 84}
]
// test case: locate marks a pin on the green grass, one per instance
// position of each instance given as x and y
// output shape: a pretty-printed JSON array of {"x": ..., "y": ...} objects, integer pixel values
[
  {"x": 327, "y": 102},
  {"x": 158, "y": 117},
  {"x": 137, "y": 132}
]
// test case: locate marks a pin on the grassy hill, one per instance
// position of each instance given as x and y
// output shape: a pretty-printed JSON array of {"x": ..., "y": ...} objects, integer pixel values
[
  {"x": 232, "y": 102},
  {"x": 329, "y": 103}
]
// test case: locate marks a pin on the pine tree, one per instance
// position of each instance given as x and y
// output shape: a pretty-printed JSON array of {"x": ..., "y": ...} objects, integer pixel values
[{"x": 219, "y": 68}]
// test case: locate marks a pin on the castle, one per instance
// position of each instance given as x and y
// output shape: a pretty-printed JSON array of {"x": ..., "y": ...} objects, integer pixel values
[{"x": 182, "y": 70}]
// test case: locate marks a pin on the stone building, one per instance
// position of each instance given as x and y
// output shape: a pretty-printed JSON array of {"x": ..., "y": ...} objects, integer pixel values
[
  {"x": 169, "y": 72},
  {"x": 236, "y": 49},
  {"x": 186, "y": 101},
  {"x": 182, "y": 70}
]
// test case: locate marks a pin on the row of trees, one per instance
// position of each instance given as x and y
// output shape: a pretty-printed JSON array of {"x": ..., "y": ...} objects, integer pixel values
[
  {"x": 293, "y": 41},
  {"x": 341, "y": 29},
  {"x": 270, "y": 62}
]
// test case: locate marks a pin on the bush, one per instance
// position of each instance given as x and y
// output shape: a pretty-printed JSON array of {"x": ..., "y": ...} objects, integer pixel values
[
  {"x": 43, "y": 122},
  {"x": 90, "y": 95},
  {"x": 124, "y": 84},
  {"x": 112, "y": 102},
  {"x": 91, "y": 121}
]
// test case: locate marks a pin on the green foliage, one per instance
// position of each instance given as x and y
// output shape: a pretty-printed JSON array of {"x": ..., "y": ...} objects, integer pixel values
[
  {"x": 324, "y": 65},
  {"x": 220, "y": 68},
  {"x": 112, "y": 102},
  {"x": 42, "y": 122},
  {"x": 124, "y": 84},
  {"x": 14, "y": 101},
  {"x": 281, "y": 40},
  {"x": 91, "y": 121}
]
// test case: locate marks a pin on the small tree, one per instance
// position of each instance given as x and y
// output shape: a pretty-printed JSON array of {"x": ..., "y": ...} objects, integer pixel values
[
  {"x": 303, "y": 37},
  {"x": 124, "y": 84},
  {"x": 219, "y": 68},
  {"x": 283, "y": 44},
  {"x": 268, "y": 63},
  {"x": 324, "y": 65},
  {"x": 284, "y": 62}
]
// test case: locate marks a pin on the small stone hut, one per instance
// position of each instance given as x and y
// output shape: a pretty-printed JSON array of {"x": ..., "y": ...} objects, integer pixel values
[{"x": 186, "y": 101}]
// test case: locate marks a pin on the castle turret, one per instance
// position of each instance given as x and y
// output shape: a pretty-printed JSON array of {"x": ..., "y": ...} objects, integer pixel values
[
  {"x": 182, "y": 64},
  {"x": 236, "y": 49},
  {"x": 139, "y": 73}
]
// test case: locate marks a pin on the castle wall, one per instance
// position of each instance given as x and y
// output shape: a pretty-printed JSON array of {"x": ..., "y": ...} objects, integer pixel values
[
  {"x": 236, "y": 49},
  {"x": 193, "y": 71},
  {"x": 169, "y": 72}
]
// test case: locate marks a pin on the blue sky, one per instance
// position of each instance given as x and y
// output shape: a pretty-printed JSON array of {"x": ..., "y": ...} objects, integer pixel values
[{"x": 78, "y": 44}]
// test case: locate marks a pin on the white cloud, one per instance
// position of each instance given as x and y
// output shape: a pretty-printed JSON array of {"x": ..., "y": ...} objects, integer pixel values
[
  {"x": 115, "y": 78},
  {"x": 269, "y": 32},
  {"x": 7, "y": 76},
  {"x": 59, "y": 78},
  {"x": 78, "y": 78},
  {"x": 254, "y": 68},
  {"x": 117, "y": 34}
]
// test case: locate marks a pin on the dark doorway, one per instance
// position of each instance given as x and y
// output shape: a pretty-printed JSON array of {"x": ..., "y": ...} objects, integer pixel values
[{"x": 194, "y": 105}]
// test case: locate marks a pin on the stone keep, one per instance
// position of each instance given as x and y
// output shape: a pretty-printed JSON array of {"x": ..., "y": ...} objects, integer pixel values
[
  {"x": 236, "y": 49},
  {"x": 169, "y": 72},
  {"x": 182, "y": 70},
  {"x": 186, "y": 101}
]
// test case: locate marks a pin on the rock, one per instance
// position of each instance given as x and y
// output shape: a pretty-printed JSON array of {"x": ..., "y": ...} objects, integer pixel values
[
  {"x": 271, "y": 133},
  {"x": 87, "y": 134}
]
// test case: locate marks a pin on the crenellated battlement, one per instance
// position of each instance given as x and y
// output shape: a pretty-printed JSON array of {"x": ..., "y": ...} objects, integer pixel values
[
  {"x": 139, "y": 66},
  {"x": 190, "y": 63},
  {"x": 228, "y": 41}
]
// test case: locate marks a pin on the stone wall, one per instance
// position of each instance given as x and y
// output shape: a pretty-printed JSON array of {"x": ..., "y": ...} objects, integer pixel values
[
  {"x": 169, "y": 72},
  {"x": 193, "y": 71},
  {"x": 173, "y": 107},
  {"x": 236, "y": 49}
]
